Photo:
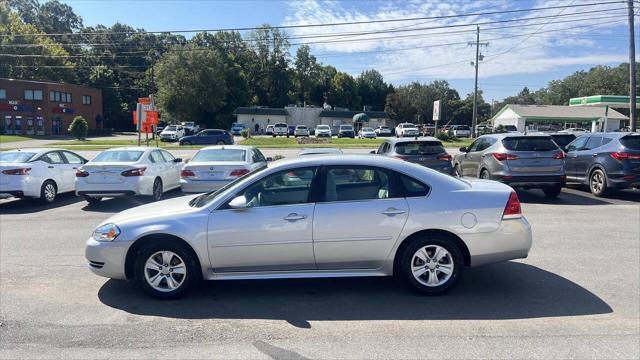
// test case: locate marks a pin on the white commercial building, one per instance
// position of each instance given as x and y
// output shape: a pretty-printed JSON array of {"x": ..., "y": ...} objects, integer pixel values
[{"x": 557, "y": 117}]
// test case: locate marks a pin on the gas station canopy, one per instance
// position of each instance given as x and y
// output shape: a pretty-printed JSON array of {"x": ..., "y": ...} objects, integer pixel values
[{"x": 613, "y": 101}]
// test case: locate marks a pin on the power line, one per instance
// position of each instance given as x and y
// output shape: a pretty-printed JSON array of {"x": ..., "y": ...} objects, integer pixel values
[{"x": 326, "y": 24}]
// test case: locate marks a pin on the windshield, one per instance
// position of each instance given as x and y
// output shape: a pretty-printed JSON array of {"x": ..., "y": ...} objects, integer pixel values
[
  {"x": 631, "y": 141},
  {"x": 15, "y": 156},
  {"x": 408, "y": 126},
  {"x": 206, "y": 198},
  {"x": 529, "y": 143},
  {"x": 463, "y": 127},
  {"x": 367, "y": 129},
  {"x": 302, "y": 127},
  {"x": 323, "y": 127},
  {"x": 170, "y": 128},
  {"x": 220, "y": 155},
  {"x": 419, "y": 148},
  {"x": 281, "y": 125},
  {"x": 118, "y": 156},
  {"x": 346, "y": 127},
  {"x": 187, "y": 124}
]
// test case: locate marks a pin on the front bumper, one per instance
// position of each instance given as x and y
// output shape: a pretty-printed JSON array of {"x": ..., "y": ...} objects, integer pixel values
[
  {"x": 512, "y": 240},
  {"x": 107, "y": 258},
  {"x": 323, "y": 135},
  {"x": 201, "y": 186}
]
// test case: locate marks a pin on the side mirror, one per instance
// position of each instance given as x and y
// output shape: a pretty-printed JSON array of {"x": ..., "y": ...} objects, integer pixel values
[
  {"x": 372, "y": 152},
  {"x": 269, "y": 158},
  {"x": 464, "y": 149},
  {"x": 239, "y": 202},
  {"x": 177, "y": 160}
]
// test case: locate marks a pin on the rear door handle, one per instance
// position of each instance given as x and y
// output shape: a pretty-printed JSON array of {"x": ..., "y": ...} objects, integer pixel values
[
  {"x": 295, "y": 217},
  {"x": 393, "y": 211}
]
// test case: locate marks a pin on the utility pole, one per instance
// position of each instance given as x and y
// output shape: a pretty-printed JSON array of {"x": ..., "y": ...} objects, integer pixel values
[
  {"x": 632, "y": 70},
  {"x": 479, "y": 57}
]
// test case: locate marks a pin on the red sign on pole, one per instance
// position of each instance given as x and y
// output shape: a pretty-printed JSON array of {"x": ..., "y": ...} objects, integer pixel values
[{"x": 152, "y": 118}]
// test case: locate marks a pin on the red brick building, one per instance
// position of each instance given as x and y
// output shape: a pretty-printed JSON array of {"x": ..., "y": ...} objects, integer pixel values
[{"x": 46, "y": 108}]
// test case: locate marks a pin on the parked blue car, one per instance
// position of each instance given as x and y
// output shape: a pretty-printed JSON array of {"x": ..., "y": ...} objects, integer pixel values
[{"x": 208, "y": 137}]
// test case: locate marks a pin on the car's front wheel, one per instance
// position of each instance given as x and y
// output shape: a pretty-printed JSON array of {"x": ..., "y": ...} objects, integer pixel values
[
  {"x": 166, "y": 269},
  {"x": 432, "y": 265}
]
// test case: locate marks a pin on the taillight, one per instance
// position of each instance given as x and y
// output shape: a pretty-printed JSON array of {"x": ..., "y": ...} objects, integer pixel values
[
  {"x": 20, "y": 171},
  {"x": 82, "y": 173},
  {"x": 239, "y": 172},
  {"x": 512, "y": 210},
  {"x": 444, "y": 157},
  {"x": 625, "y": 156},
  {"x": 133, "y": 172},
  {"x": 503, "y": 156},
  {"x": 187, "y": 173},
  {"x": 559, "y": 156}
]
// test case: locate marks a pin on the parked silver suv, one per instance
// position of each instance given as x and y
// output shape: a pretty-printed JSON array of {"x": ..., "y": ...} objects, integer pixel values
[{"x": 514, "y": 159}]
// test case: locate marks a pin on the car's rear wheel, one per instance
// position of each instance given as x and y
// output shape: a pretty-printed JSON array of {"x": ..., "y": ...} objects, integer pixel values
[
  {"x": 432, "y": 266},
  {"x": 458, "y": 170},
  {"x": 157, "y": 189},
  {"x": 166, "y": 269},
  {"x": 598, "y": 183},
  {"x": 552, "y": 192},
  {"x": 48, "y": 192},
  {"x": 484, "y": 174},
  {"x": 187, "y": 143},
  {"x": 92, "y": 200}
]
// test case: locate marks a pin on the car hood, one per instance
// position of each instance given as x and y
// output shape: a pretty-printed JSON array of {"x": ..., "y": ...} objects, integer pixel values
[{"x": 169, "y": 208}]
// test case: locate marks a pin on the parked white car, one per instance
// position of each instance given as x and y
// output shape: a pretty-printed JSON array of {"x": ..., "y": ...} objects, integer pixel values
[
  {"x": 323, "y": 131},
  {"x": 215, "y": 166},
  {"x": 280, "y": 129},
  {"x": 128, "y": 171},
  {"x": 38, "y": 173},
  {"x": 190, "y": 127},
  {"x": 383, "y": 131},
  {"x": 300, "y": 218},
  {"x": 461, "y": 131},
  {"x": 301, "y": 130},
  {"x": 407, "y": 129},
  {"x": 172, "y": 133},
  {"x": 367, "y": 133}
]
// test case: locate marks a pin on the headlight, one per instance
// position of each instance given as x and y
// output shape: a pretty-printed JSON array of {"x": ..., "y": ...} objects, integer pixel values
[{"x": 106, "y": 232}]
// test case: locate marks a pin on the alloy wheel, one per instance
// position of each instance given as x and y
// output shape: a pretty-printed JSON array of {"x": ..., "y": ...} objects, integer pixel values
[
  {"x": 165, "y": 271},
  {"x": 597, "y": 182},
  {"x": 49, "y": 192},
  {"x": 432, "y": 265},
  {"x": 157, "y": 189}
]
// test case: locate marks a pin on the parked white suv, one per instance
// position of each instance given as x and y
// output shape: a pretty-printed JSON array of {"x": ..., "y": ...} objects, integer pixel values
[
  {"x": 407, "y": 129},
  {"x": 280, "y": 129},
  {"x": 461, "y": 131},
  {"x": 190, "y": 127},
  {"x": 172, "y": 133}
]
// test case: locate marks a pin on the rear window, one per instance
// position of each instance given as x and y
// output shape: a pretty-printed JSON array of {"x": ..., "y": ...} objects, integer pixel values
[
  {"x": 346, "y": 127},
  {"x": 463, "y": 127},
  {"x": 563, "y": 140},
  {"x": 529, "y": 143},
  {"x": 118, "y": 156},
  {"x": 16, "y": 156},
  {"x": 281, "y": 125},
  {"x": 302, "y": 127},
  {"x": 419, "y": 148},
  {"x": 220, "y": 155},
  {"x": 631, "y": 141},
  {"x": 404, "y": 126}
]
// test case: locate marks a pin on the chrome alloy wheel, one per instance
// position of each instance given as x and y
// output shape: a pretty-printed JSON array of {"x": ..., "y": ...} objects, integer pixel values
[
  {"x": 165, "y": 271},
  {"x": 432, "y": 265},
  {"x": 49, "y": 192},
  {"x": 597, "y": 182}
]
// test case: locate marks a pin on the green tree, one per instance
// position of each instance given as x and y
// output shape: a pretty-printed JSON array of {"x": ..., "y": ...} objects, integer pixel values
[
  {"x": 191, "y": 85},
  {"x": 344, "y": 91},
  {"x": 372, "y": 89},
  {"x": 271, "y": 76},
  {"x": 79, "y": 128},
  {"x": 307, "y": 72}
]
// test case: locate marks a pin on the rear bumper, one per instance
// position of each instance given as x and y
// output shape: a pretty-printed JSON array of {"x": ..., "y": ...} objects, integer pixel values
[
  {"x": 6, "y": 194},
  {"x": 106, "y": 193},
  {"x": 20, "y": 186},
  {"x": 512, "y": 240},
  {"x": 201, "y": 186},
  {"x": 531, "y": 180},
  {"x": 131, "y": 186}
]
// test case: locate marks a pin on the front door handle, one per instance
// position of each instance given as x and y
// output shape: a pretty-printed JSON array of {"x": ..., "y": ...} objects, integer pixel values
[
  {"x": 50, "y": 167},
  {"x": 393, "y": 211},
  {"x": 295, "y": 217},
  {"x": 595, "y": 155}
]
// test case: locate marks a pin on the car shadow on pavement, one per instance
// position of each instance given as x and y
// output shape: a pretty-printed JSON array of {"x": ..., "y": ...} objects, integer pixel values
[
  {"x": 27, "y": 206},
  {"x": 575, "y": 196},
  {"x": 121, "y": 203},
  {"x": 509, "y": 290}
]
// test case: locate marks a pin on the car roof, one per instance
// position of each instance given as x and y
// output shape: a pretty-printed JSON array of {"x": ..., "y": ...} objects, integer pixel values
[
  {"x": 615, "y": 135},
  {"x": 36, "y": 150},
  {"x": 133, "y": 148},
  {"x": 412, "y": 139},
  {"x": 228, "y": 147}
]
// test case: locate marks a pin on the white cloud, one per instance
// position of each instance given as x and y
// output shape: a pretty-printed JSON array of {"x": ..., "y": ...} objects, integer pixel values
[{"x": 524, "y": 47}]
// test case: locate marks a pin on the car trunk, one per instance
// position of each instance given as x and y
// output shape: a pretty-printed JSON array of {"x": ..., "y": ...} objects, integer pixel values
[
  {"x": 4, "y": 179},
  {"x": 107, "y": 173},
  {"x": 534, "y": 155},
  {"x": 216, "y": 170}
]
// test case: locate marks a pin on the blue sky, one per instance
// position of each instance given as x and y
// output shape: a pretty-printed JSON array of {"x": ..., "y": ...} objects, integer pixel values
[{"x": 527, "y": 52}]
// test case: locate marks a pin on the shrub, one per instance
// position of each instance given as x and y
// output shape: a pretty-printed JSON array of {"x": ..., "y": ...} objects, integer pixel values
[
  {"x": 245, "y": 133},
  {"x": 79, "y": 128},
  {"x": 445, "y": 136},
  {"x": 500, "y": 129},
  {"x": 277, "y": 157}
]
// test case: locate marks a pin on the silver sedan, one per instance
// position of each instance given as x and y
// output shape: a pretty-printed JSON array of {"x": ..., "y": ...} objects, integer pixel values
[{"x": 337, "y": 216}]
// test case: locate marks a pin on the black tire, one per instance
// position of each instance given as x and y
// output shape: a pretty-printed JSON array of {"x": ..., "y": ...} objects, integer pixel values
[
  {"x": 220, "y": 143},
  {"x": 273, "y": 135},
  {"x": 92, "y": 200},
  {"x": 188, "y": 282},
  {"x": 457, "y": 170},
  {"x": 48, "y": 192},
  {"x": 552, "y": 192},
  {"x": 157, "y": 190},
  {"x": 454, "y": 258},
  {"x": 484, "y": 174},
  {"x": 598, "y": 176},
  {"x": 186, "y": 143}
]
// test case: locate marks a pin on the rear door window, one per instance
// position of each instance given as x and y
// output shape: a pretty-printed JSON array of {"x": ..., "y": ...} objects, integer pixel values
[
  {"x": 156, "y": 157},
  {"x": 412, "y": 187},
  {"x": 593, "y": 142},
  {"x": 355, "y": 183},
  {"x": 73, "y": 158},
  {"x": 53, "y": 158},
  {"x": 577, "y": 144},
  {"x": 529, "y": 143},
  {"x": 631, "y": 141}
]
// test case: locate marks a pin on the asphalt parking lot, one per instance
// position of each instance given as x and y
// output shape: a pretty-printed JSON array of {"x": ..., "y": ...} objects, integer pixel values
[{"x": 575, "y": 296}]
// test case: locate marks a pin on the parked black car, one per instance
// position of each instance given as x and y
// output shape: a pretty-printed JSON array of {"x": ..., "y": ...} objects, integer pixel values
[
  {"x": 604, "y": 161},
  {"x": 208, "y": 137},
  {"x": 426, "y": 151},
  {"x": 346, "y": 131}
]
